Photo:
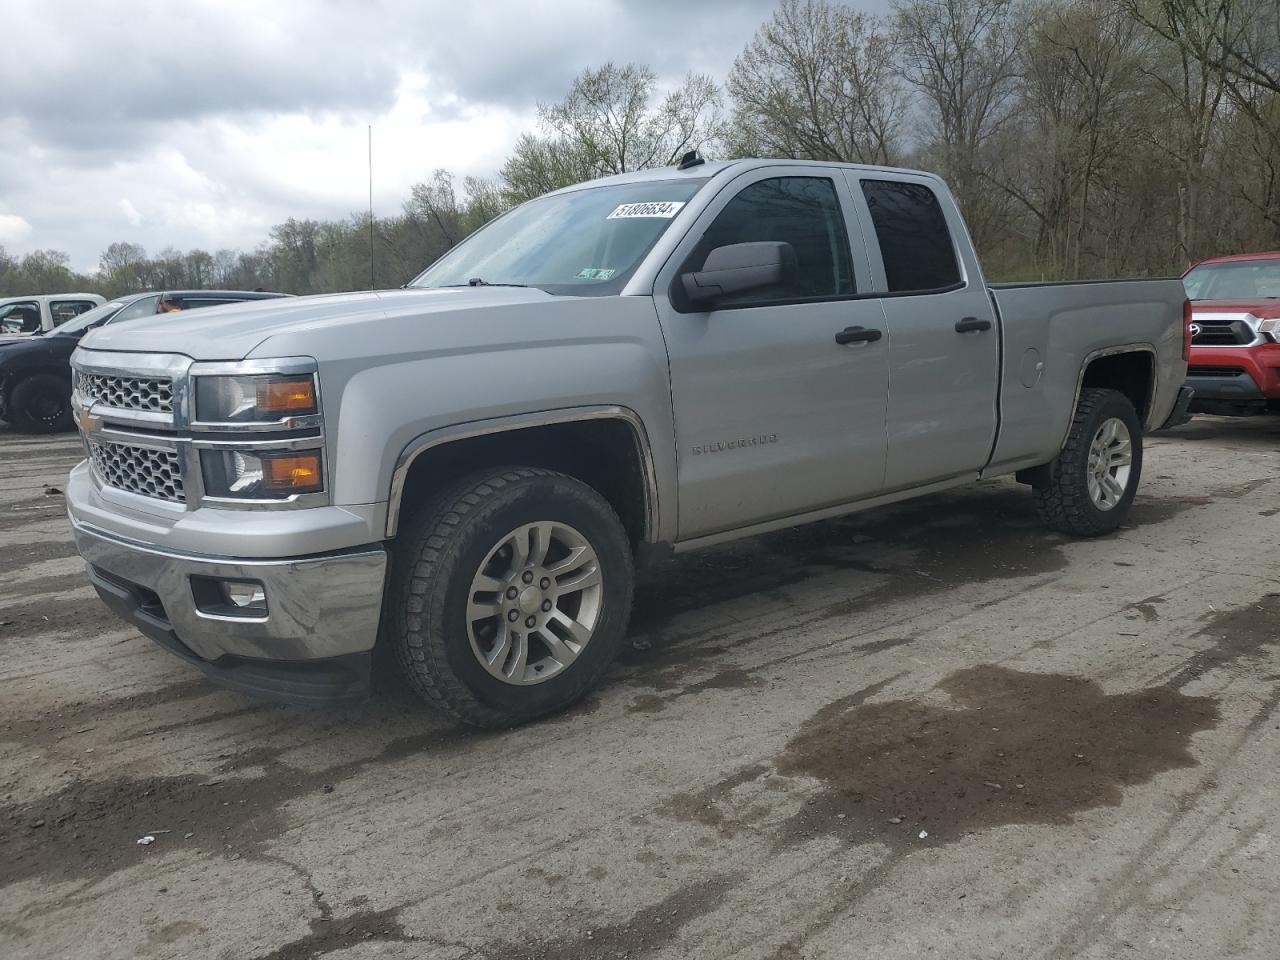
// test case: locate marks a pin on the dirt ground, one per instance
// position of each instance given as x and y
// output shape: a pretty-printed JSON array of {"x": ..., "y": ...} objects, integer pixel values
[{"x": 933, "y": 730}]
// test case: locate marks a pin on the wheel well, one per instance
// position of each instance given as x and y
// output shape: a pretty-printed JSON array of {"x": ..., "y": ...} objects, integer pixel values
[
  {"x": 604, "y": 454},
  {"x": 1130, "y": 373}
]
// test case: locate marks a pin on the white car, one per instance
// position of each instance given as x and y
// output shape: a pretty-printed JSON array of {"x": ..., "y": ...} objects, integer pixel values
[{"x": 19, "y": 315}]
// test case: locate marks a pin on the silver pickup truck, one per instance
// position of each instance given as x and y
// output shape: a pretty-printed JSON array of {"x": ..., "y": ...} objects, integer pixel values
[{"x": 465, "y": 471}]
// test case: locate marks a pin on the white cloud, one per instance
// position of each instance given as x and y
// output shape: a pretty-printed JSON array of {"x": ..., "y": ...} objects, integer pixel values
[
  {"x": 13, "y": 229},
  {"x": 203, "y": 123},
  {"x": 131, "y": 214}
]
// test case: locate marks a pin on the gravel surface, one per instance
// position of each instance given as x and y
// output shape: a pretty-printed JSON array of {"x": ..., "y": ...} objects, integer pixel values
[{"x": 931, "y": 730}]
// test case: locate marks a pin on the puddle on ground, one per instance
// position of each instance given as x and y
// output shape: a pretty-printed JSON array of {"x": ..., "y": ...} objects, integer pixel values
[
  {"x": 1240, "y": 633},
  {"x": 649, "y": 930},
  {"x": 1011, "y": 747},
  {"x": 90, "y": 828},
  {"x": 330, "y": 934}
]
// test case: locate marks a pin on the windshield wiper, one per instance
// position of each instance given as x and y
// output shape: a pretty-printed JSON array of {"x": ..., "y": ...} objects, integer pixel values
[{"x": 481, "y": 282}]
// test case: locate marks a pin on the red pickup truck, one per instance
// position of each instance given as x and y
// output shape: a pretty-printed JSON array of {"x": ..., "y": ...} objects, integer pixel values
[{"x": 1234, "y": 366}]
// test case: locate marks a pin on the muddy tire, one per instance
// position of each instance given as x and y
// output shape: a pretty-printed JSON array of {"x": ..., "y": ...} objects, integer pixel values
[
  {"x": 40, "y": 403},
  {"x": 509, "y": 595},
  {"x": 1088, "y": 489}
]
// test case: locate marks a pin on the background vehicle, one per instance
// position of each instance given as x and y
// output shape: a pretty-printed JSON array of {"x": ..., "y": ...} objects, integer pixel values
[
  {"x": 35, "y": 378},
  {"x": 652, "y": 362},
  {"x": 1235, "y": 349},
  {"x": 20, "y": 315}
]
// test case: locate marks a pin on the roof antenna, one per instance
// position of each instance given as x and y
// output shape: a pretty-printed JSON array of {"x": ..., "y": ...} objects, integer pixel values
[{"x": 691, "y": 159}]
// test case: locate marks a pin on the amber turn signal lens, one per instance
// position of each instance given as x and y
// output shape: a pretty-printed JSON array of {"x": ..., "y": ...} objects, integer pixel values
[
  {"x": 293, "y": 473},
  {"x": 295, "y": 396}
]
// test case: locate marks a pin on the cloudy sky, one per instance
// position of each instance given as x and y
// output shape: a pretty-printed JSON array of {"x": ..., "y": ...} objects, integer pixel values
[{"x": 200, "y": 123}]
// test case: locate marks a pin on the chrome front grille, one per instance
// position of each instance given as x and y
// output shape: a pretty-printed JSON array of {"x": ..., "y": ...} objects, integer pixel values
[
  {"x": 142, "y": 470},
  {"x": 149, "y": 394}
]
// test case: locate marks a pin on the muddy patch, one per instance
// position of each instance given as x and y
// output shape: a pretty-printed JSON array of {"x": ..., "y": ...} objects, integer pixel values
[
  {"x": 1244, "y": 633},
  {"x": 91, "y": 827},
  {"x": 1011, "y": 747},
  {"x": 19, "y": 557},
  {"x": 865, "y": 560},
  {"x": 649, "y": 930},
  {"x": 330, "y": 934}
]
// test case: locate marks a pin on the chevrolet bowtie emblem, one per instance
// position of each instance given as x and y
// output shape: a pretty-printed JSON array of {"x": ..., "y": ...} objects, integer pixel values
[{"x": 87, "y": 421}]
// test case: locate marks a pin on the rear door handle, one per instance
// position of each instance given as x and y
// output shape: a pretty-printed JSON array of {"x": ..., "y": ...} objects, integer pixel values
[
  {"x": 857, "y": 335},
  {"x": 970, "y": 324}
]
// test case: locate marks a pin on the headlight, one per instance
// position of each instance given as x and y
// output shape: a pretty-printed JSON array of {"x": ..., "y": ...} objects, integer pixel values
[
  {"x": 257, "y": 398},
  {"x": 1271, "y": 328},
  {"x": 245, "y": 475}
]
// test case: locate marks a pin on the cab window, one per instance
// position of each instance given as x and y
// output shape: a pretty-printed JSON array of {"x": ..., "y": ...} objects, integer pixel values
[
  {"x": 915, "y": 244},
  {"x": 801, "y": 211},
  {"x": 21, "y": 317},
  {"x": 63, "y": 310},
  {"x": 144, "y": 307}
]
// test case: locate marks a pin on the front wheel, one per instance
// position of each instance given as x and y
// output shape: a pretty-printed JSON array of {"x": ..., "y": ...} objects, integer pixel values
[
  {"x": 510, "y": 595},
  {"x": 1090, "y": 486},
  {"x": 40, "y": 403}
]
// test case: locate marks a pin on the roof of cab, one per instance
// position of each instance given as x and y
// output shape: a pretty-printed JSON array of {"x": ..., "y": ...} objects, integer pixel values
[
  {"x": 710, "y": 168},
  {"x": 1241, "y": 257}
]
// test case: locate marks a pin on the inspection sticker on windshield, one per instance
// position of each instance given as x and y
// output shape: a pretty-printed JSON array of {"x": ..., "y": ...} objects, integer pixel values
[
  {"x": 662, "y": 209},
  {"x": 595, "y": 273}
]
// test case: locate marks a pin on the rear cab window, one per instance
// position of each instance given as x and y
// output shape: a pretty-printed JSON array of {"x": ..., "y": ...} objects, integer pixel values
[
  {"x": 63, "y": 310},
  {"x": 915, "y": 243}
]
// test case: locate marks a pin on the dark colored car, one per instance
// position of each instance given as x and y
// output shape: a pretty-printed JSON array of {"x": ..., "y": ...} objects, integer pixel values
[{"x": 35, "y": 373}]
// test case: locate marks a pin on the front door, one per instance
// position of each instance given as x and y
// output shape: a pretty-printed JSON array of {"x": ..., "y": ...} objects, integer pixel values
[{"x": 779, "y": 397}]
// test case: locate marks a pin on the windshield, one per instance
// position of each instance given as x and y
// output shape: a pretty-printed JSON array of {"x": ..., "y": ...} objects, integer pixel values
[
  {"x": 90, "y": 317},
  {"x": 586, "y": 242},
  {"x": 1242, "y": 280}
]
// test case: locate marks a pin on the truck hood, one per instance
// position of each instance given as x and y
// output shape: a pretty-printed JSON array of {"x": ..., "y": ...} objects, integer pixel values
[
  {"x": 1262, "y": 307},
  {"x": 234, "y": 331}
]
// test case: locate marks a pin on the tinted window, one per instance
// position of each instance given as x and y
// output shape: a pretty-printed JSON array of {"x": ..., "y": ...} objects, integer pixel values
[
  {"x": 139, "y": 308},
  {"x": 914, "y": 240},
  {"x": 801, "y": 211},
  {"x": 64, "y": 310},
  {"x": 190, "y": 303}
]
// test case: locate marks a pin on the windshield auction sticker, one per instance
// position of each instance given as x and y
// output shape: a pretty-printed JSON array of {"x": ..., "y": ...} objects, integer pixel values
[{"x": 662, "y": 209}]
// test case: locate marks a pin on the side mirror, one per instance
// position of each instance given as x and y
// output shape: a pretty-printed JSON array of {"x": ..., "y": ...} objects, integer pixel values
[{"x": 739, "y": 267}]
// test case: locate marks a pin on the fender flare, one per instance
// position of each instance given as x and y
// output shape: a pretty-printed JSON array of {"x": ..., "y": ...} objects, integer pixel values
[
  {"x": 1152, "y": 392},
  {"x": 479, "y": 428}
]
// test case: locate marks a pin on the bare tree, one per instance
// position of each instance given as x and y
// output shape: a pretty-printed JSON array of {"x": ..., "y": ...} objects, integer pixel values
[
  {"x": 818, "y": 81},
  {"x": 1080, "y": 90},
  {"x": 960, "y": 56},
  {"x": 1241, "y": 38}
]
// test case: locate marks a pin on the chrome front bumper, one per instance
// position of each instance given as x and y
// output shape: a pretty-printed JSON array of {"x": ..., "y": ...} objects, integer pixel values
[{"x": 314, "y": 643}]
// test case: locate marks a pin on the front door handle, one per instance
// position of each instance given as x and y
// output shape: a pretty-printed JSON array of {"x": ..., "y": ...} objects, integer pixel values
[
  {"x": 970, "y": 324},
  {"x": 857, "y": 335}
]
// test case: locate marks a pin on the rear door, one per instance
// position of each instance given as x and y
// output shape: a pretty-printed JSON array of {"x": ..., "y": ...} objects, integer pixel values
[
  {"x": 944, "y": 345},
  {"x": 773, "y": 415}
]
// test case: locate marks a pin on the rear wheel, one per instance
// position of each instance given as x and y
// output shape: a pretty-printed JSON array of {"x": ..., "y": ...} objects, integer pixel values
[
  {"x": 510, "y": 595},
  {"x": 1089, "y": 488},
  {"x": 40, "y": 403}
]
